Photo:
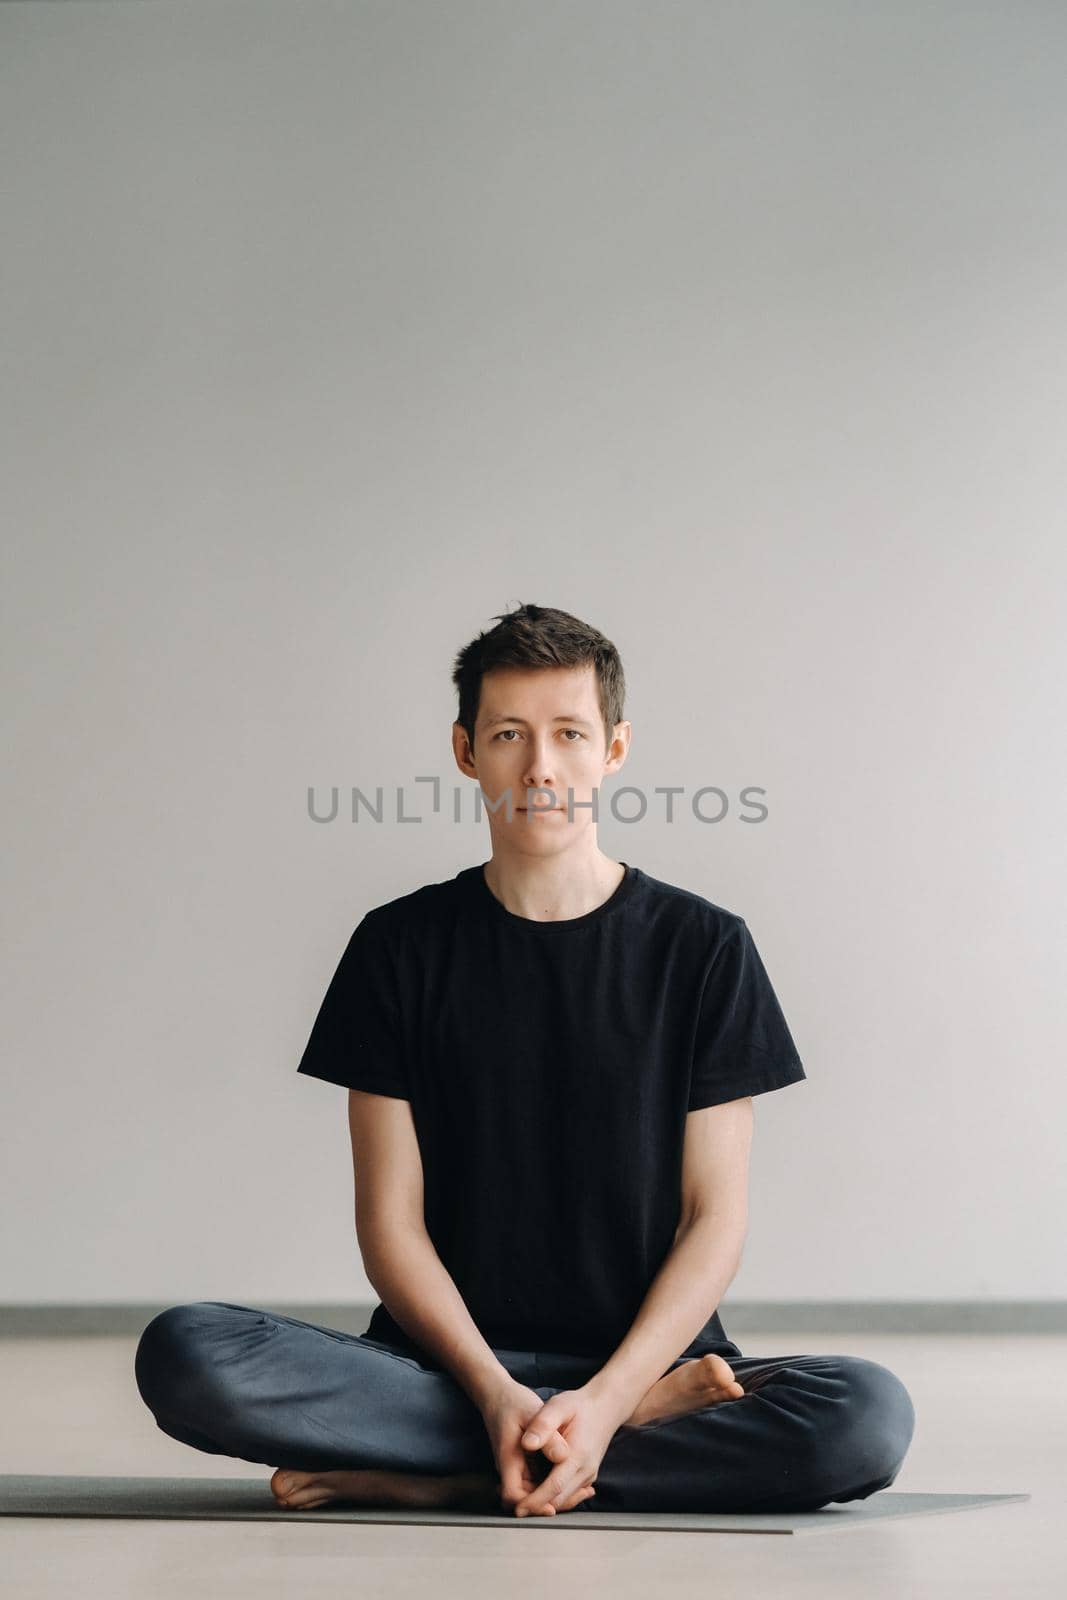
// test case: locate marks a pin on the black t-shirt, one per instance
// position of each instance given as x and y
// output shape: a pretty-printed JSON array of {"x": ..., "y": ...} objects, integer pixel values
[{"x": 550, "y": 1067}]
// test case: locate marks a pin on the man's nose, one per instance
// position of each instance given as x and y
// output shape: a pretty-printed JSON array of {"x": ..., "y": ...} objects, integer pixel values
[{"x": 539, "y": 773}]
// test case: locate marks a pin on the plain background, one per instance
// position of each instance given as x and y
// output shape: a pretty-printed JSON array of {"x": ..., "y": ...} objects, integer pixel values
[{"x": 331, "y": 331}]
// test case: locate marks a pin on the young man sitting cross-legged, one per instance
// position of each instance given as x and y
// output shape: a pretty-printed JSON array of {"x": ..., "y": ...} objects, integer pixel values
[{"x": 551, "y": 1060}]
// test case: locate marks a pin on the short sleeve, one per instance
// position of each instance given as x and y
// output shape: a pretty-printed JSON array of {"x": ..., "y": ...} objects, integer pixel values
[
  {"x": 742, "y": 1044},
  {"x": 357, "y": 1039}
]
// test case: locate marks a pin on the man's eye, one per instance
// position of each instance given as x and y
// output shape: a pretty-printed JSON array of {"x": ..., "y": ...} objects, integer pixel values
[{"x": 504, "y": 731}]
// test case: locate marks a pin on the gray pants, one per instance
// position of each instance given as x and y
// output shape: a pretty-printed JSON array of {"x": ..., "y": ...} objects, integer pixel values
[{"x": 236, "y": 1381}]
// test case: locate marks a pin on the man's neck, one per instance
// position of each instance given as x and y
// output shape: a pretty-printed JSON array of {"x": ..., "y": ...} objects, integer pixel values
[{"x": 557, "y": 889}]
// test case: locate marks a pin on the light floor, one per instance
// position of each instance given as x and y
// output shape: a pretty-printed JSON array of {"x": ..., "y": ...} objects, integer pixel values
[{"x": 992, "y": 1417}]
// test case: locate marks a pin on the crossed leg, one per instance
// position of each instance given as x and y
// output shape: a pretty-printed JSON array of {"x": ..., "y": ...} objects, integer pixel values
[
  {"x": 695, "y": 1384},
  {"x": 236, "y": 1381}
]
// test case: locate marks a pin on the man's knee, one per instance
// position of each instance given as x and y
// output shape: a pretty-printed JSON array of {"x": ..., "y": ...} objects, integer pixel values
[
  {"x": 171, "y": 1352},
  {"x": 871, "y": 1428}
]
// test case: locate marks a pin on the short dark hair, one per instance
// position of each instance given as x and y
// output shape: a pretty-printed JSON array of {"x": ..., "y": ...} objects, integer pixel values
[{"x": 539, "y": 637}]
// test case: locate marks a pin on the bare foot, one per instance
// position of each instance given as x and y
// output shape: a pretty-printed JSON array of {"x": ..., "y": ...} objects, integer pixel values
[
  {"x": 301, "y": 1491},
  {"x": 705, "y": 1381}
]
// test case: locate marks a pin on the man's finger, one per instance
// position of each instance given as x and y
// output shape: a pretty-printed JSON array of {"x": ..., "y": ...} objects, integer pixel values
[
  {"x": 514, "y": 1490},
  {"x": 540, "y": 1434},
  {"x": 516, "y": 1476},
  {"x": 555, "y": 1487},
  {"x": 548, "y": 1421},
  {"x": 555, "y": 1446}
]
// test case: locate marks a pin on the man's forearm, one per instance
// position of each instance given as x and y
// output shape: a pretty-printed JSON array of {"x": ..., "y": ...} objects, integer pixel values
[
  {"x": 682, "y": 1296},
  {"x": 420, "y": 1295}
]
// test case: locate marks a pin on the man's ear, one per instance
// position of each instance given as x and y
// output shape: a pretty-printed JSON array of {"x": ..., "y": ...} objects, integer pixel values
[
  {"x": 620, "y": 735},
  {"x": 463, "y": 750}
]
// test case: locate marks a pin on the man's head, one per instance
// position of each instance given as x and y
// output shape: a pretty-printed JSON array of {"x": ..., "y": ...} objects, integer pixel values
[
  {"x": 537, "y": 637},
  {"x": 540, "y": 704}
]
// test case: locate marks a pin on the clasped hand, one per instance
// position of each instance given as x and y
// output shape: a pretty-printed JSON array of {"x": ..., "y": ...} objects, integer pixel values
[{"x": 565, "y": 1437}]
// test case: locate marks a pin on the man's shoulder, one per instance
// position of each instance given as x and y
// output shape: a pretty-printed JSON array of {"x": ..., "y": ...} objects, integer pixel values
[
  {"x": 675, "y": 902},
  {"x": 424, "y": 907}
]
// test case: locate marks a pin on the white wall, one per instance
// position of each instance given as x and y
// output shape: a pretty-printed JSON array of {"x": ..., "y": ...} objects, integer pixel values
[{"x": 333, "y": 330}]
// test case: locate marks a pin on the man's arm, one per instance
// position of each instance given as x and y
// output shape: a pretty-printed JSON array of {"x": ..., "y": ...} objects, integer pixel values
[
  {"x": 399, "y": 1256},
  {"x": 703, "y": 1259}
]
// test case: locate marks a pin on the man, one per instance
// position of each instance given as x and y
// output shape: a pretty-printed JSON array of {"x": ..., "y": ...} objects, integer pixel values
[{"x": 551, "y": 1061}]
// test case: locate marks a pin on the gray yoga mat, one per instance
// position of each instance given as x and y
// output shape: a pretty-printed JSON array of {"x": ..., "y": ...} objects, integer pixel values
[{"x": 250, "y": 1500}]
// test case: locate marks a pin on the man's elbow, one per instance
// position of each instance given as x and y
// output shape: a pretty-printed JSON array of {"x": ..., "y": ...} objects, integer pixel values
[
  {"x": 381, "y": 1241},
  {"x": 726, "y": 1231}
]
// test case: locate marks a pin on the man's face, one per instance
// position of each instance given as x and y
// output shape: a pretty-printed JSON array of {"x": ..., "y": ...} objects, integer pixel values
[{"x": 540, "y": 727}]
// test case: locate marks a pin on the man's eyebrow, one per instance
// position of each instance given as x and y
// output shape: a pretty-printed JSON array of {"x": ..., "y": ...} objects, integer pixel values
[{"x": 567, "y": 717}]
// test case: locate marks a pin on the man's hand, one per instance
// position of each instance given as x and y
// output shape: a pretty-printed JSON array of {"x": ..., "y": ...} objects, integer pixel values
[
  {"x": 586, "y": 1426},
  {"x": 507, "y": 1413}
]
